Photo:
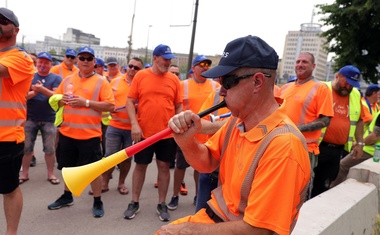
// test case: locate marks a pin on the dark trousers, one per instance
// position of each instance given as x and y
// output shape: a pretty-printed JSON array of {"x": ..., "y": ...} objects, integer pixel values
[{"x": 328, "y": 167}]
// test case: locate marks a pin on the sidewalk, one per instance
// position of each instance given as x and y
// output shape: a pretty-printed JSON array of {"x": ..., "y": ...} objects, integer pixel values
[{"x": 78, "y": 219}]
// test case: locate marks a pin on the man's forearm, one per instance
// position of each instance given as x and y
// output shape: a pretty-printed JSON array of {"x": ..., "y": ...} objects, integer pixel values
[{"x": 317, "y": 124}]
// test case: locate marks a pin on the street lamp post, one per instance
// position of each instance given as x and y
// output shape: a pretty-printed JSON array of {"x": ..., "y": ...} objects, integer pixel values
[{"x": 147, "y": 44}]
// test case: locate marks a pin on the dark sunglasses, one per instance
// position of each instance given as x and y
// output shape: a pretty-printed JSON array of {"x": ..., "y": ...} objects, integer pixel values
[
  {"x": 133, "y": 66},
  {"x": 82, "y": 58},
  {"x": 70, "y": 57},
  {"x": 4, "y": 21},
  {"x": 98, "y": 66},
  {"x": 230, "y": 81},
  {"x": 176, "y": 73},
  {"x": 204, "y": 64}
]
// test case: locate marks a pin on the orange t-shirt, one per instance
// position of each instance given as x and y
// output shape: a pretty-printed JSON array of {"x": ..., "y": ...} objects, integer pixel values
[
  {"x": 64, "y": 71},
  {"x": 84, "y": 87},
  {"x": 305, "y": 103},
  {"x": 194, "y": 94},
  {"x": 120, "y": 88},
  {"x": 157, "y": 96},
  {"x": 367, "y": 113},
  {"x": 338, "y": 130},
  {"x": 282, "y": 173},
  {"x": 13, "y": 91}
]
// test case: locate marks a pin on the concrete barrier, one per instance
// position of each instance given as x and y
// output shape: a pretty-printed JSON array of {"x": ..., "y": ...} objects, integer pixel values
[{"x": 347, "y": 209}]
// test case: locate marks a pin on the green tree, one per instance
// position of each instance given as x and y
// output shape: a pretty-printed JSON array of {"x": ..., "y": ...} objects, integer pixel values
[{"x": 354, "y": 29}]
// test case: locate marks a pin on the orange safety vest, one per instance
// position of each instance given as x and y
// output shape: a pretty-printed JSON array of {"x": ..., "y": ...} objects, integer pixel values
[{"x": 87, "y": 120}]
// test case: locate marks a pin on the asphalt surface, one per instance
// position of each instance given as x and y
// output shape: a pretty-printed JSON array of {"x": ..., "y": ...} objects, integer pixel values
[{"x": 38, "y": 193}]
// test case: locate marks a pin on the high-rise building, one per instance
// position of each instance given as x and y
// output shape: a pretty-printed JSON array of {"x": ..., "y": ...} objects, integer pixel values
[{"x": 307, "y": 39}]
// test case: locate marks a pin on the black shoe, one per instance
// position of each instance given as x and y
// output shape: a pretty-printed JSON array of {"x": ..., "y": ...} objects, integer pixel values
[
  {"x": 98, "y": 210},
  {"x": 162, "y": 211},
  {"x": 33, "y": 161}
]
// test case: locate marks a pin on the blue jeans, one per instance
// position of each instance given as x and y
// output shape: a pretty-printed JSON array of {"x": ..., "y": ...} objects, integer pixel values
[
  {"x": 117, "y": 139},
  {"x": 205, "y": 185}
]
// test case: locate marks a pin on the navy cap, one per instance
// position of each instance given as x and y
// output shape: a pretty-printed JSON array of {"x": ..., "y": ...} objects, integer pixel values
[
  {"x": 373, "y": 88},
  {"x": 9, "y": 15},
  {"x": 86, "y": 49},
  {"x": 44, "y": 55},
  {"x": 111, "y": 60},
  {"x": 99, "y": 61},
  {"x": 352, "y": 75},
  {"x": 200, "y": 58},
  {"x": 164, "y": 51},
  {"x": 249, "y": 51},
  {"x": 71, "y": 52}
]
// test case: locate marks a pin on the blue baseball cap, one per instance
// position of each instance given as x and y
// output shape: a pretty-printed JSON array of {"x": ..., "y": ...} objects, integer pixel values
[
  {"x": 249, "y": 51},
  {"x": 9, "y": 15},
  {"x": 99, "y": 61},
  {"x": 190, "y": 71},
  {"x": 86, "y": 49},
  {"x": 352, "y": 75},
  {"x": 71, "y": 52},
  {"x": 147, "y": 65},
  {"x": 44, "y": 55},
  {"x": 292, "y": 79},
  {"x": 164, "y": 51},
  {"x": 373, "y": 88},
  {"x": 200, "y": 58}
]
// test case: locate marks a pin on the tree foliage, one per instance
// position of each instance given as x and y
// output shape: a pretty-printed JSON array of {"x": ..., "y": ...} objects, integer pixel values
[{"x": 354, "y": 34}]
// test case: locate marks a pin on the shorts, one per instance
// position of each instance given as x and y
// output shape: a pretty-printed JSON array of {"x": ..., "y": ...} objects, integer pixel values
[
  {"x": 181, "y": 162},
  {"x": 164, "y": 149},
  {"x": 10, "y": 163},
  {"x": 117, "y": 139},
  {"x": 73, "y": 152},
  {"x": 48, "y": 132}
]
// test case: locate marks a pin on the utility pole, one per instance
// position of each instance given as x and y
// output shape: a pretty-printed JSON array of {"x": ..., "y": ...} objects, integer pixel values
[
  {"x": 130, "y": 36},
  {"x": 193, "y": 36}
]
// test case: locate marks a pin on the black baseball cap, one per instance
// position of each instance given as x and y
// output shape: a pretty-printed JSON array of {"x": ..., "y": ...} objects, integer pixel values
[
  {"x": 249, "y": 51},
  {"x": 9, "y": 15}
]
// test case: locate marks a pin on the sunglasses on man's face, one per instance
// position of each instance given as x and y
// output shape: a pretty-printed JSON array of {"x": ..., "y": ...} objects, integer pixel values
[
  {"x": 70, "y": 57},
  {"x": 204, "y": 64},
  {"x": 134, "y": 67},
  {"x": 98, "y": 66},
  {"x": 4, "y": 21},
  {"x": 230, "y": 81},
  {"x": 176, "y": 73},
  {"x": 82, "y": 58}
]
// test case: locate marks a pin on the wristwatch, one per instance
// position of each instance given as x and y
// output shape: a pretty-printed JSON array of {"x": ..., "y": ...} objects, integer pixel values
[
  {"x": 87, "y": 103},
  {"x": 360, "y": 143}
]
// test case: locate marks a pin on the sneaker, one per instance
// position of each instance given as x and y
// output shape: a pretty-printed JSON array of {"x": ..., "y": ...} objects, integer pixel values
[
  {"x": 173, "y": 204},
  {"x": 133, "y": 209},
  {"x": 195, "y": 200},
  {"x": 33, "y": 162},
  {"x": 183, "y": 189},
  {"x": 61, "y": 202},
  {"x": 98, "y": 210},
  {"x": 162, "y": 211}
]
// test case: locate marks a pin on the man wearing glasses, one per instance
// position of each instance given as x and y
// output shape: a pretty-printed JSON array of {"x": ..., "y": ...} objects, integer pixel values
[
  {"x": 16, "y": 74},
  {"x": 118, "y": 134},
  {"x": 194, "y": 93},
  {"x": 67, "y": 66},
  {"x": 264, "y": 171},
  {"x": 80, "y": 132},
  {"x": 158, "y": 93}
]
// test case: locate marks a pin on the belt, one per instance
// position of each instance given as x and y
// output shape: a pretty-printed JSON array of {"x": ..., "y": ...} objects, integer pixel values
[
  {"x": 329, "y": 145},
  {"x": 212, "y": 215}
]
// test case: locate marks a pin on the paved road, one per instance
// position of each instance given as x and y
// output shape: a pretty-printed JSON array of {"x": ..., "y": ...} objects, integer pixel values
[{"x": 77, "y": 219}]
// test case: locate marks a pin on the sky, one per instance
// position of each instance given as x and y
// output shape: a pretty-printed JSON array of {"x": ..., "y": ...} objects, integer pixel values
[{"x": 168, "y": 22}]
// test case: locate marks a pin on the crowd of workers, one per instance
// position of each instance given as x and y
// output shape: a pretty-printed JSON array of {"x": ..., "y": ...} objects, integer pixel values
[{"x": 252, "y": 171}]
